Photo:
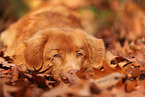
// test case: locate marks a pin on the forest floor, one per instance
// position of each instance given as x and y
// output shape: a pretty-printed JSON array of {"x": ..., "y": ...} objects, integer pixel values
[{"x": 122, "y": 28}]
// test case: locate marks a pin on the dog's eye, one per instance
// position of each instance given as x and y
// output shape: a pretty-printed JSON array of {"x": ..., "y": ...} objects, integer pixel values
[
  {"x": 79, "y": 54},
  {"x": 56, "y": 56}
]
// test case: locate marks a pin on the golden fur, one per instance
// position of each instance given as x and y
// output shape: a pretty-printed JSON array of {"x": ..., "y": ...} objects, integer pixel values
[{"x": 52, "y": 36}]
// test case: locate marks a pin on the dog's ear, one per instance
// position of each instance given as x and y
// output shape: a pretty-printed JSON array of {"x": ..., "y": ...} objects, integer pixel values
[
  {"x": 96, "y": 51},
  {"x": 33, "y": 53}
]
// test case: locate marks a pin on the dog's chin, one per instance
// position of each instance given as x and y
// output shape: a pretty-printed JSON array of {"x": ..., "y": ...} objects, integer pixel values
[
  {"x": 57, "y": 75},
  {"x": 63, "y": 75}
]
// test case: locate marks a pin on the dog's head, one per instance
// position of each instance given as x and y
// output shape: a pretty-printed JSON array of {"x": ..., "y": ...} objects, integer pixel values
[{"x": 65, "y": 49}]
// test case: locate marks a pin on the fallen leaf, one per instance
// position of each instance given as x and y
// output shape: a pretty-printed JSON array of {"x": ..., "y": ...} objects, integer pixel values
[
  {"x": 130, "y": 86},
  {"x": 109, "y": 80}
]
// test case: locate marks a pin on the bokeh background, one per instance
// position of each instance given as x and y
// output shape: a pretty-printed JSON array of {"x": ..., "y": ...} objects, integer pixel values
[{"x": 116, "y": 21}]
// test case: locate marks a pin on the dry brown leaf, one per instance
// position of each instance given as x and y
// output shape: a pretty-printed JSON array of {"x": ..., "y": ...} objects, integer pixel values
[
  {"x": 130, "y": 86},
  {"x": 109, "y": 80},
  {"x": 6, "y": 89},
  {"x": 107, "y": 70},
  {"x": 109, "y": 56},
  {"x": 81, "y": 88}
]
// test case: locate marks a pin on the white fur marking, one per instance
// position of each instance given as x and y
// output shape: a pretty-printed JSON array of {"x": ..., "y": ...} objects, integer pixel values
[{"x": 74, "y": 67}]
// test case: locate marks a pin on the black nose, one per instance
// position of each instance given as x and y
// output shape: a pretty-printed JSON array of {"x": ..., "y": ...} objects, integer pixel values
[{"x": 72, "y": 71}]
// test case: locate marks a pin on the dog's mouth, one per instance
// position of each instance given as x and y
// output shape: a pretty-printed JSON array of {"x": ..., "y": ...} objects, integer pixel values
[
  {"x": 71, "y": 76},
  {"x": 72, "y": 71}
]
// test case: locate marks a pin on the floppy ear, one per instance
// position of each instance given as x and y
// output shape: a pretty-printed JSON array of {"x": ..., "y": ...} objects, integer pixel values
[
  {"x": 96, "y": 51},
  {"x": 33, "y": 53}
]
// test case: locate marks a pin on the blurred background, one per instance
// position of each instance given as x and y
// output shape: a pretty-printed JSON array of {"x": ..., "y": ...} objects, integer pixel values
[{"x": 116, "y": 21}]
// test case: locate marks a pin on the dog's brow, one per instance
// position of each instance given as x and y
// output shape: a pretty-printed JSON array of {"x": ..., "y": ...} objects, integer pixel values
[{"x": 54, "y": 49}]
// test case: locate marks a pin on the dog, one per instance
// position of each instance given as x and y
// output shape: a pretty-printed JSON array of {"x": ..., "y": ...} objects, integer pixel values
[{"x": 52, "y": 36}]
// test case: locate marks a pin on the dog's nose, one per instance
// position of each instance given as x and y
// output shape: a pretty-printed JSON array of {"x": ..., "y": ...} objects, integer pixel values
[{"x": 72, "y": 71}]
